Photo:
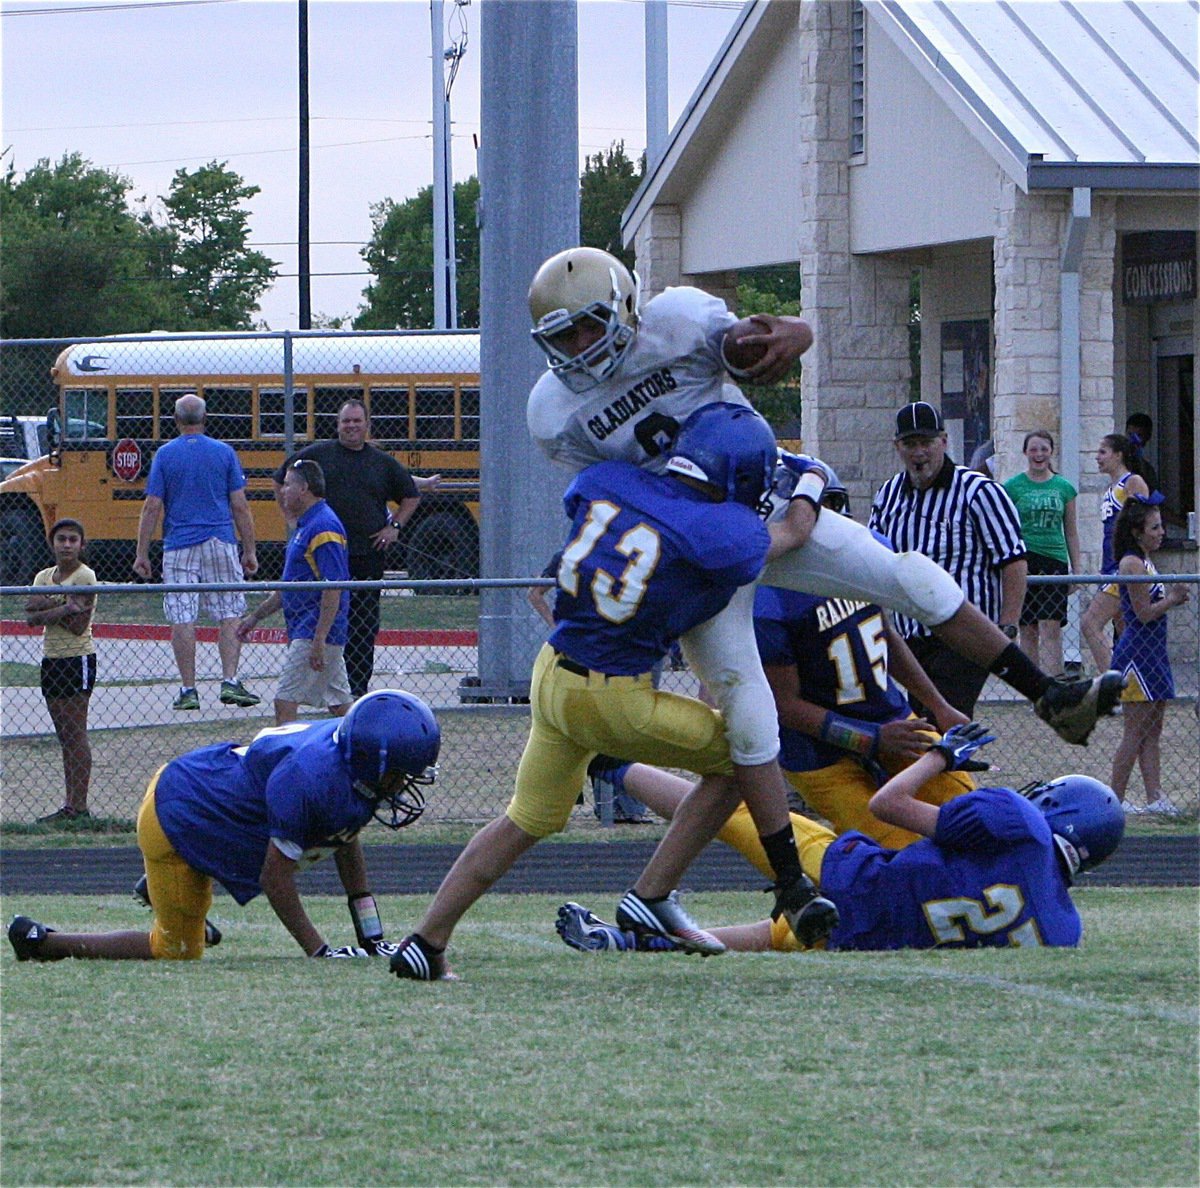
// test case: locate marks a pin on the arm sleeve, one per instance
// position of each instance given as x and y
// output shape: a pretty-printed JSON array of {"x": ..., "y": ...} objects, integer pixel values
[{"x": 400, "y": 482}]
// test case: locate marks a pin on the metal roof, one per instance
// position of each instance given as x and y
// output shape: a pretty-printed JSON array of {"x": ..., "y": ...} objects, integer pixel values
[{"x": 1093, "y": 85}]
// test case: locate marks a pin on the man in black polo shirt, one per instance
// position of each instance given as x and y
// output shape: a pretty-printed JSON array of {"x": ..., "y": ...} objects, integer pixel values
[
  {"x": 360, "y": 481},
  {"x": 967, "y": 523}
]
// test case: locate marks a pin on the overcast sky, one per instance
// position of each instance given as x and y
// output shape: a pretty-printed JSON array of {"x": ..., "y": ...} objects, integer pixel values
[{"x": 149, "y": 88}]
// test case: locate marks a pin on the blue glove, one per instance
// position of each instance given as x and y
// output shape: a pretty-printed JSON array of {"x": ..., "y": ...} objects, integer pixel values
[
  {"x": 800, "y": 476},
  {"x": 959, "y": 743}
]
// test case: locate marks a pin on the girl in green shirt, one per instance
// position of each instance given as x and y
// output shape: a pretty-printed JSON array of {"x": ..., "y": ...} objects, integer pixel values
[{"x": 1046, "y": 502}]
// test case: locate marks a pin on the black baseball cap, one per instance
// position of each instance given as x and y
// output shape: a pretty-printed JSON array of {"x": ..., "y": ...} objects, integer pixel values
[{"x": 919, "y": 420}]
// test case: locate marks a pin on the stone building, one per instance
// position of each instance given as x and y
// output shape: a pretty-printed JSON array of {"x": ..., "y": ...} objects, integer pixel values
[{"x": 1035, "y": 164}]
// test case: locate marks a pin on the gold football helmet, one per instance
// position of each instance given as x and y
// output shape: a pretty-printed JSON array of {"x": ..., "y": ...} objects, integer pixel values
[{"x": 584, "y": 284}]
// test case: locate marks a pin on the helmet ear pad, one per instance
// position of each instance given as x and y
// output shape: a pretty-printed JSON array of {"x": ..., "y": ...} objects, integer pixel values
[
  {"x": 730, "y": 448},
  {"x": 1084, "y": 813}
]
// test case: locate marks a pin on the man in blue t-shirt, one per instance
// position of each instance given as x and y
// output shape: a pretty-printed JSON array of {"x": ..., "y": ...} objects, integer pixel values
[
  {"x": 314, "y": 671},
  {"x": 251, "y": 816},
  {"x": 196, "y": 487}
]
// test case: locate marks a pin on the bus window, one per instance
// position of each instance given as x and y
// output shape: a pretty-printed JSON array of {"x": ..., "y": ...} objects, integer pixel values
[
  {"x": 435, "y": 414},
  {"x": 389, "y": 414},
  {"x": 229, "y": 415},
  {"x": 135, "y": 413},
  {"x": 87, "y": 414},
  {"x": 469, "y": 404},
  {"x": 271, "y": 413}
]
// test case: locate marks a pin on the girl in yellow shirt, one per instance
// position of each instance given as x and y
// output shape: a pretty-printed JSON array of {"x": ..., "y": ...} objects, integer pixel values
[{"x": 69, "y": 659}]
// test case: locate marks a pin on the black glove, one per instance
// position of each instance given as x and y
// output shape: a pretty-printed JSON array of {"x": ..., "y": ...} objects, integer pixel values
[
  {"x": 341, "y": 951},
  {"x": 959, "y": 743}
]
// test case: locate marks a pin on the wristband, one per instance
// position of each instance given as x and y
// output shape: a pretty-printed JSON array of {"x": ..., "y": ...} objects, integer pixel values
[
  {"x": 810, "y": 486},
  {"x": 859, "y": 738},
  {"x": 365, "y": 913}
]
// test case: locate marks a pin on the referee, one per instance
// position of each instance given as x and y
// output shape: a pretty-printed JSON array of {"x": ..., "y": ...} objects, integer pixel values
[{"x": 964, "y": 521}]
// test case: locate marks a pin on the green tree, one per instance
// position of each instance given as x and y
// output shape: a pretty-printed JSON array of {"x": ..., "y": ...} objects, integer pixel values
[
  {"x": 77, "y": 261},
  {"x": 217, "y": 279},
  {"x": 608, "y": 183},
  {"x": 400, "y": 251},
  {"x": 400, "y": 255}
]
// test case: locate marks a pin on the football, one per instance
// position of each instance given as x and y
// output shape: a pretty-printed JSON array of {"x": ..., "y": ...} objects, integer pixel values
[{"x": 742, "y": 355}]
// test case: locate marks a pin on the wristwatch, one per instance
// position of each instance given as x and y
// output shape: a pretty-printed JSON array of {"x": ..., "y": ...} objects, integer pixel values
[{"x": 1010, "y": 629}]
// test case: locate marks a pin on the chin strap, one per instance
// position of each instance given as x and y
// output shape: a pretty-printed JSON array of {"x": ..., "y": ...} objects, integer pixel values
[{"x": 1069, "y": 855}]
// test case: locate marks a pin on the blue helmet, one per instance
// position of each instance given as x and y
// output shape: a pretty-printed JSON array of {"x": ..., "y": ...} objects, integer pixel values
[
  {"x": 729, "y": 447},
  {"x": 390, "y": 741},
  {"x": 1085, "y": 816}
]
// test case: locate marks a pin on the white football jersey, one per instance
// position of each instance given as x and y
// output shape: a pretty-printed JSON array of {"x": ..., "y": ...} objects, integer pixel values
[{"x": 672, "y": 367}]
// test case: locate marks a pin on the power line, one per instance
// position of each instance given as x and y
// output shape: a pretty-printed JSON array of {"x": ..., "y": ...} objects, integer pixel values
[{"x": 62, "y": 10}]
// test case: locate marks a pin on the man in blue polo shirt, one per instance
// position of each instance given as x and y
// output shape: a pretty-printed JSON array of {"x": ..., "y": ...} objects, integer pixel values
[{"x": 314, "y": 672}]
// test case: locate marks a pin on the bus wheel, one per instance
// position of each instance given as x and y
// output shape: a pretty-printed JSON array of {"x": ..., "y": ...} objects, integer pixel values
[
  {"x": 441, "y": 548},
  {"x": 23, "y": 549}
]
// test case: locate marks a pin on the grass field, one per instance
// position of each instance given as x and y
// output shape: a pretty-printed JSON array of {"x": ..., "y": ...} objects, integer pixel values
[{"x": 545, "y": 1066}]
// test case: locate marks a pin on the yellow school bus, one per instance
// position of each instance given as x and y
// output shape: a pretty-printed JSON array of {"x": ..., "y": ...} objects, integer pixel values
[{"x": 116, "y": 402}]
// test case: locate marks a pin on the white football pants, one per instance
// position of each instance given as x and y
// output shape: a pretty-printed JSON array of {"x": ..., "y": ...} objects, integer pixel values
[{"x": 841, "y": 559}]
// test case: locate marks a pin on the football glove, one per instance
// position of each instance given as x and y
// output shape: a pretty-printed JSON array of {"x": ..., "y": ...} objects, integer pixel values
[
  {"x": 959, "y": 743},
  {"x": 341, "y": 951}
]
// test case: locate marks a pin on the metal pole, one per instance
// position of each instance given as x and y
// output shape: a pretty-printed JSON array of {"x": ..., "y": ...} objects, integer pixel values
[
  {"x": 441, "y": 320},
  {"x": 302, "y": 264},
  {"x": 656, "y": 81},
  {"x": 529, "y": 179}
]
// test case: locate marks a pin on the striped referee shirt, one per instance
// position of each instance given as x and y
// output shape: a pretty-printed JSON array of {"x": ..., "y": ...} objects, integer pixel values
[{"x": 964, "y": 521}]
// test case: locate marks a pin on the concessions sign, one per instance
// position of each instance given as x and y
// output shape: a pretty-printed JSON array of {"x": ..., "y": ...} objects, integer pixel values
[{"x": 1158, "y": 266}]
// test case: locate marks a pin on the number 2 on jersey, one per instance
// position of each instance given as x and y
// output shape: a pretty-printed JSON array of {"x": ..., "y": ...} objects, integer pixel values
[{"x": 616, "y": 598}]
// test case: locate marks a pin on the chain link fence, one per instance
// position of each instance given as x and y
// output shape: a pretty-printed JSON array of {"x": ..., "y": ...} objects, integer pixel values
[{"x": 428, "y": 646}]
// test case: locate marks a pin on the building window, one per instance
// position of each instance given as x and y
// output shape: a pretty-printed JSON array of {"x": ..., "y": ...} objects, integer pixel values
[{"x": 858, "y": 80}]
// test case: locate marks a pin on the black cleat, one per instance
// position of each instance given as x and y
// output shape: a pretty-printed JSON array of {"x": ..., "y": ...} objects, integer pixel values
[
  {"x": 1072, "y": 708},
  {"x": 26, "y": 936},
  {"x": 416, "y": 960},
  {"x": 809, "y": 915},
  {"x": 665, "y": 918}
]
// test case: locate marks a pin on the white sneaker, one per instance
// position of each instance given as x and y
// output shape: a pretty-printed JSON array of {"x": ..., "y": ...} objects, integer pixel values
[
  {"x": 1131, "y": 809},
  {"x": 1163, "y": 807}
]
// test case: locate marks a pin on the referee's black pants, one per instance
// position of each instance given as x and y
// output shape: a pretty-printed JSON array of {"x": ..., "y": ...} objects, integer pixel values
[
  {"x": 364, "y": 622},
  {"x": 958, "y": 680}
]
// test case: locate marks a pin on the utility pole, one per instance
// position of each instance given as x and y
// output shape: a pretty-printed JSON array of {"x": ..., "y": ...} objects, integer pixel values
[
  {"x": 302, "y": 263},
  {"x": 656, "y": 81},
  {"x": 445, "y": 69}
]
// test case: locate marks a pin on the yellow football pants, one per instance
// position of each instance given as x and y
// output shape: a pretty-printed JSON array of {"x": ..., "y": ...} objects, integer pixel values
[
  {"x": 576, "y": 717},
  {"x": 180, "y": 895}
]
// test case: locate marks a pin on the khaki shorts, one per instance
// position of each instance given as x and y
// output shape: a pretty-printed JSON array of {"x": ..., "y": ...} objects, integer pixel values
[
  {"x": 303, "y": 684},
  {"x": 212, "y": 561}
]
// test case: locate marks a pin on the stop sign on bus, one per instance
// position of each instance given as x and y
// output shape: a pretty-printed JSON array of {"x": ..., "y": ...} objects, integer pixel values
[{"x": 127, "y": 459}]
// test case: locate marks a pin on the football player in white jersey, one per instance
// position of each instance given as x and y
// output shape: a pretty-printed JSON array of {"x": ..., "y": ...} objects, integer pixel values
[{"x": 621, "y": 379}]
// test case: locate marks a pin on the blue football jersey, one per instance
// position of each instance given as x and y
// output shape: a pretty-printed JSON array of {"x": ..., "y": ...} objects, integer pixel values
[
  {"x": 221, "y": 806},
  {"x": 647, "y": 559},
  {"x": 840, "y": 651},
  {"x": 990, "y": 877}
]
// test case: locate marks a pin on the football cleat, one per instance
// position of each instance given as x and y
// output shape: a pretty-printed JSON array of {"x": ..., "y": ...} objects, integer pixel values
[
  {"x": 414, "y": 959},
  {"x": 810, "y": 916},
  {"x": 665, "y": 918},
  {"x": 26, "y": 936},
  {"x": 1073, "y": 707},
  {"x": 141, "y": 892},
  {"x": 585, "y": 931}
]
